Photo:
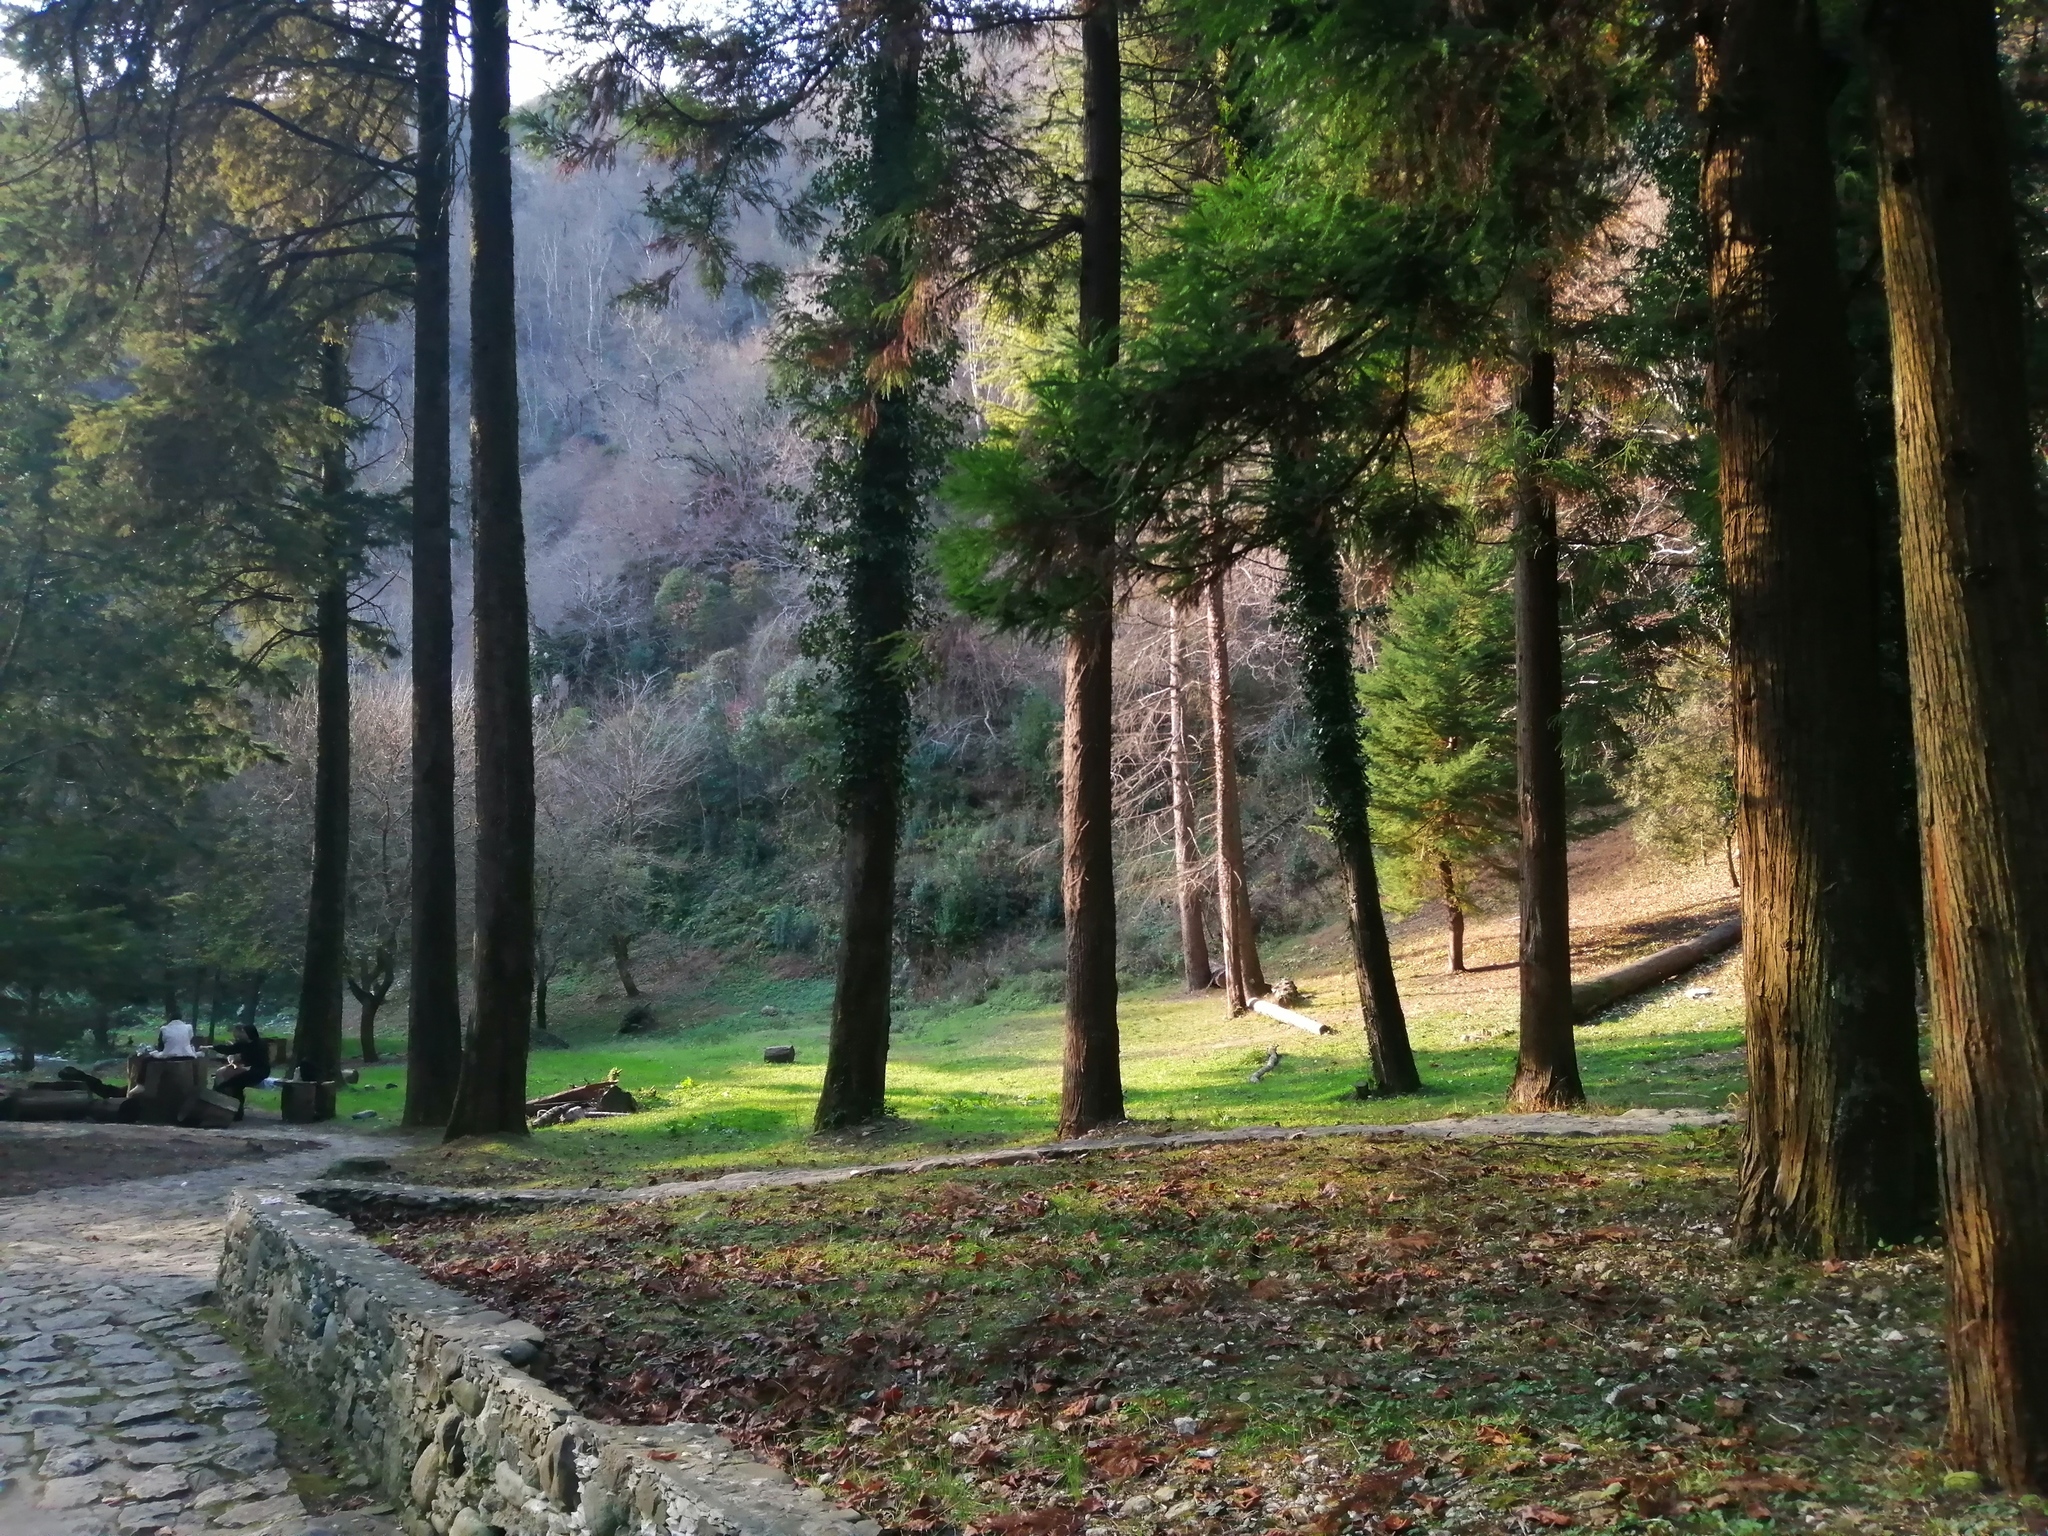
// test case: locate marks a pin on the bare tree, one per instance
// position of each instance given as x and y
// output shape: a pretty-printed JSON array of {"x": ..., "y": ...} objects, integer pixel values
[
  {"x": 1243, "y": 978},
  {"x": 1187, "y": 869}
]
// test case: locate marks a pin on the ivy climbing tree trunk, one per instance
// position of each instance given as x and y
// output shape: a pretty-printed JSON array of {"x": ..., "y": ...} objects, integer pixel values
[
  {"x": 1242, "y": 978},
  {"x": 1547, "y": 1064},
  {"x": 1091, "y": 1084},
  {"x": 433, "y": 1034},
  {"x": 316, "y": 1042},
  {"x": 1313, "y": 600},
  {"x": 1187, "y": 858},
  {"x": 1838, "y": 1145},
  {"x": 1975, "y": 589},
  {"x": 490, "y": 1098},
  {"x": 881, "y": 557}
]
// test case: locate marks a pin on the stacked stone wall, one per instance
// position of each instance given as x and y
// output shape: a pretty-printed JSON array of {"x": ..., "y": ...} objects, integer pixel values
[{"x": 428, "y": 1394}]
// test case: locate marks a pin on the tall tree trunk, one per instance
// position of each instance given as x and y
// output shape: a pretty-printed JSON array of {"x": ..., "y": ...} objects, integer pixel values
[
  {"x": 490, "y": 1098},
  {"x": 1092, "y": 1088},
  {"x": 1547, "y": 1066},
  {"x": 1454, "y": 913},
  {"x": 540, "y": 1000},
  {"x": 1242, "y": 977},
  {"x": 316, "y": 1042},
  {"x": 622, "y": 962},
  {"x": 252, "y": 1001},
  {"x": 1838, "y": 1147},
  {"x": 433, "y": 1030},
  {"x": 1314, "y": 603},
  {"x": 874, "y": 713},
  {"x": 1187, "y": 858},
  {"x": 1975, "y": 588}
]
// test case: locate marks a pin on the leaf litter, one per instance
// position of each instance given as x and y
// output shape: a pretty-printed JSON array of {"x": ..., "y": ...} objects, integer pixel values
[{"x": 1257, "y": 1340}]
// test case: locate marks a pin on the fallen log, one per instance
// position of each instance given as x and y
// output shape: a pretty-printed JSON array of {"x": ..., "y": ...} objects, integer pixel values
[
  {"x": 606, "y": 1095},
  {"x": 1273, "y": 1010},
  {"x": 1604, "y": 991}
]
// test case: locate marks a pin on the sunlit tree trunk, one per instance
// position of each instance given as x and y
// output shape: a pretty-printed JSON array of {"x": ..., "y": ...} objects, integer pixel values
[
  {"x": 1242, "y": 978},
  {"x": 491, "y": 1096},
  {"x": 874, "y": 719},
  {"x": 1547, "y": 1064},
  {"x": 1187, "y": 858},
  {"x": 316, "y": 1042},
  {"x": 1975, "y": 591},
  {"x": 1454, "y": 913},
  {"x": 1091, "y": 1088},
  {"x": 1838, "y": 1145},
  {"x": 433, "y": 1036}
]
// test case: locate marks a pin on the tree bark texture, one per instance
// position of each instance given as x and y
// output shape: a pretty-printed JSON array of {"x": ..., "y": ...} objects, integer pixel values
[
  {"x": 1187, "y": 857},
  {"x": 1091, "y": 1088},
  {"x": 316, "y": 1042},
  {"x": 874, "y": 718},
  {"x": 1313, "y": 600},
  {"x": 1975, "y": 589},
  {"x": 490, "y": 1098},
  {"x": 1547, "y": 1065},
  {"x": 1838, "y": 1147},
  {"x": 1454, "y": 914},
  {"x": 433, "y": 1032},
  {"x": 1242, "y": 978}
]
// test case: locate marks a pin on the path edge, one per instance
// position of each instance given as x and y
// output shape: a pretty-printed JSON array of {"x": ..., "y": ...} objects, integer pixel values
[{"x": 425, "y": 1391}]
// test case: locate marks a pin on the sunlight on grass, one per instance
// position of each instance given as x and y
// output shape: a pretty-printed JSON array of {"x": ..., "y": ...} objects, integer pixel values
[{"x": 986, "y": 1074}]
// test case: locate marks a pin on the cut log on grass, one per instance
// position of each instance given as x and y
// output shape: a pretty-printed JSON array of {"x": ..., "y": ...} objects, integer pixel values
[
  {"x": 1603, "y": 992},
  {"x": 779, "y": 1055},
  {"x": 607, "y": 1096},
  {"x": 1273, "y": 1010}
]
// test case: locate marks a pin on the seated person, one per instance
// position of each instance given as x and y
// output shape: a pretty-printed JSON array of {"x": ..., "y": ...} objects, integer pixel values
[
  {"x": 248, "y": 1056},
  {"x": 175, "y": 1039}
]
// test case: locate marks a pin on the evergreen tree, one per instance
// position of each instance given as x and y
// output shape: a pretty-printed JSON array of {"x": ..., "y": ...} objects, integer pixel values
[
  {"x": 1439, "y": 732},
  {"x": 433, "y": 1042},
  {"x": 1975, "y": 592},
  {"x": 1838, "y": 1144},
  {"x": 490, "y": 1096},
  {"x": 910, "y": 184}
]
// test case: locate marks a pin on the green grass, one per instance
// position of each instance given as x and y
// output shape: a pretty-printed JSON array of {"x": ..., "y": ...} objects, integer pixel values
[
  {"x": 965, "y": 1075},
  {"x": 1334, "y": 1338}
]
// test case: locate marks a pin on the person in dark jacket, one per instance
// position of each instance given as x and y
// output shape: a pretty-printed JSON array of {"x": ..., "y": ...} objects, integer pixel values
[{"x": 248, "y": 1064}]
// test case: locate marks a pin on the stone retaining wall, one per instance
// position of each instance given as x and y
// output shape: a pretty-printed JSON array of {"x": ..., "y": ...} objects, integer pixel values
[{"x": 426, "y": 1394}]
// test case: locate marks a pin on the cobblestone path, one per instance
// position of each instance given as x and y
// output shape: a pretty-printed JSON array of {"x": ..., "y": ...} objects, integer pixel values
[{"x": 122, "y": 1411}]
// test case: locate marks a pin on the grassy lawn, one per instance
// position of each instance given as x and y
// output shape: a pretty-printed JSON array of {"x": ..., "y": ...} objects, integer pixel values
[
  {"x": 987, "y": 1073},
  {"x": 1268, "y": 1338}
]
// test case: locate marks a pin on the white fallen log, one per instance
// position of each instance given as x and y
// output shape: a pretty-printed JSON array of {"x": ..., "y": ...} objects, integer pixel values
[{"x": 1273, "y": 1010}]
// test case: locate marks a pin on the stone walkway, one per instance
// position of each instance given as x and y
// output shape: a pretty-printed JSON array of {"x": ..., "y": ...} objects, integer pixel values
[{"x": 122, "y": 1413}]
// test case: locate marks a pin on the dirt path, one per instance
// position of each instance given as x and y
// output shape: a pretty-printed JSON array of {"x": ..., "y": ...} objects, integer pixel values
[{"x": 1635, "y": 1122}]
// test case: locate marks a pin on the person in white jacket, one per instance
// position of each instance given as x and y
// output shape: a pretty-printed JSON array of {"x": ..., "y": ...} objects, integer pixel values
[{"x": 175, "y": 1039}]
